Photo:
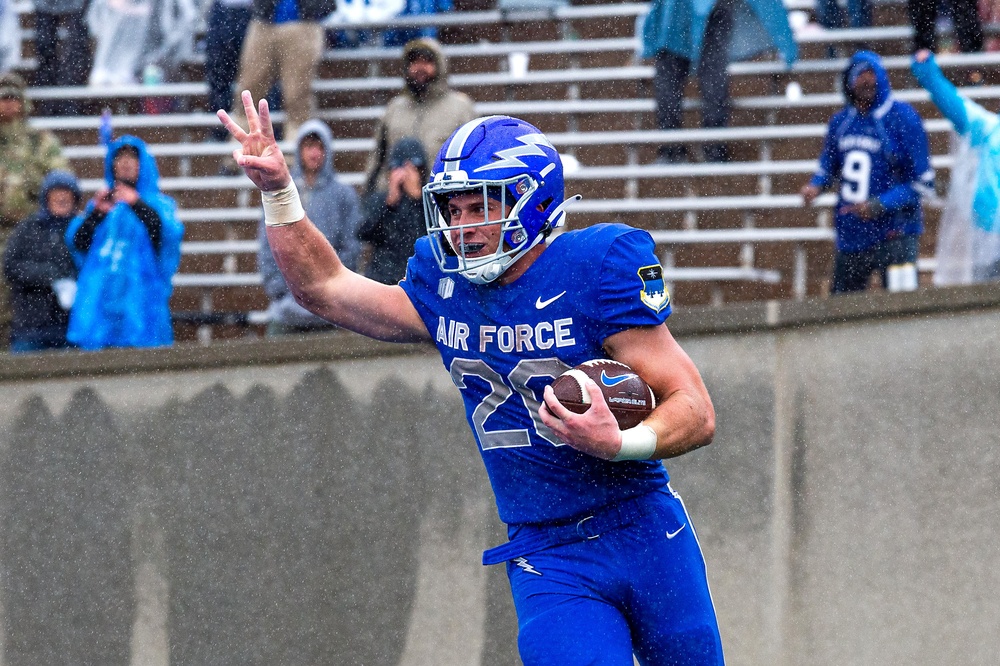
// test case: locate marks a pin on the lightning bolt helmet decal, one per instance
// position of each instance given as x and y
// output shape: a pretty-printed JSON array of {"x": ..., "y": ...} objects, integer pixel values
[
  {"x": 509, "y": 156},
  {"x": 507, "y": 160}
]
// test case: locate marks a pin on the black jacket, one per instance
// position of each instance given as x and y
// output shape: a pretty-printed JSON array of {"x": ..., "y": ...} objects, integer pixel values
[
  {"x": 36, "y": 255},
  {"x": 392, "y": 233}
]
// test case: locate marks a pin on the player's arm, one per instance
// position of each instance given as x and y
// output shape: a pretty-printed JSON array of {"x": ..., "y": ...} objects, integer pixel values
[
  {"x": 321, "y": 283},
  {"x": 315, "y": 275},
  {"x": 683, "y": 420}
]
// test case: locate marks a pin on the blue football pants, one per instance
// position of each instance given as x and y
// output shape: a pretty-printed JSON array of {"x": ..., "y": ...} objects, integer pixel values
[{"x": 638, "y": 589}]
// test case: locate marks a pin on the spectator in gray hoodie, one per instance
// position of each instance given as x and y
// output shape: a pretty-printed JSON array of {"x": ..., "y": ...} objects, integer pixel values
[{"x": 335, "y": 210}]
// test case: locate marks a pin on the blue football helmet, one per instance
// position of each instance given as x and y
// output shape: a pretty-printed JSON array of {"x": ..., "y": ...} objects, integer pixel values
[{"x": 505, "y": 159}]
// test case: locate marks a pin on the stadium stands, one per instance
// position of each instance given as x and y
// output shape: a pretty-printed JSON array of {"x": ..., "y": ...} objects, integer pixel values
[{"x": 726, "y": 232}]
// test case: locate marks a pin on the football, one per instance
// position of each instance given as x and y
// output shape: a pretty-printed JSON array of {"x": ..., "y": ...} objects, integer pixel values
[{"x": 627, "y": 394}]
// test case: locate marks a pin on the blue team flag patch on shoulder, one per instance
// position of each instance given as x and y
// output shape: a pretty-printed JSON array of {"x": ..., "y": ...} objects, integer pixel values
[{"x": 654, "y": 293}]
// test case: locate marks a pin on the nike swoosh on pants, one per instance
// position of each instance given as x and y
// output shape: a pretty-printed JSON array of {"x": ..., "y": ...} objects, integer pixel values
[{"x": 671, "y": 535}]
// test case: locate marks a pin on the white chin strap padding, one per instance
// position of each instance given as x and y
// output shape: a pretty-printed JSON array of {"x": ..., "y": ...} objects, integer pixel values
[{"x": 484, "y": 274}]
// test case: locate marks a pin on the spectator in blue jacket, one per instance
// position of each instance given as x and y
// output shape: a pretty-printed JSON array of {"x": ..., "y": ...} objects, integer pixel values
[
  {"x": 333, "y": 207},
  {"x": 705, "y": 36},
  {"x": 969, "y": 233},
  {"x": 876, "y": 153},
  {"x": 127, "y": 246},
  {"x": 400, "y": 36},
  {"x": 40, "y": 270}
]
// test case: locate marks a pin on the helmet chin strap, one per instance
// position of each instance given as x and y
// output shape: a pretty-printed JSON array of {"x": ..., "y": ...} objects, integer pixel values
[
  {"x": 494, "y": 269},
  {"x": 484, "y": 274}
]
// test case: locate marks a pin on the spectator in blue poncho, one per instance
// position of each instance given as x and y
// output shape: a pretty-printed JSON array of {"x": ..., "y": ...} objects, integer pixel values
[
  {"x": 706, "y": 35},
  {"x": 968, "y": 246},
  {"x": 126, "y": 244}
]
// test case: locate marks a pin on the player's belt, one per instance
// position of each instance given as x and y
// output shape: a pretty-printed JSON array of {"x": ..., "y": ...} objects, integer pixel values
[{"x": 533, "y": 538}]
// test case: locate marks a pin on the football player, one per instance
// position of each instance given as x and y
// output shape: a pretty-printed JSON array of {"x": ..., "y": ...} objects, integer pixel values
[{"x": 602, "y": 558}]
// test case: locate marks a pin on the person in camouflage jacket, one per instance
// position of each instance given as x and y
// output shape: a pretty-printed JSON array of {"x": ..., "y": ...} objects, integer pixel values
[{"x": 26, "y": 156}]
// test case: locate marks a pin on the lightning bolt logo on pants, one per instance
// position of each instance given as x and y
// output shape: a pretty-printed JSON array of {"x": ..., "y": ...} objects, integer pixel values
[{"x": 523, "y": 563}]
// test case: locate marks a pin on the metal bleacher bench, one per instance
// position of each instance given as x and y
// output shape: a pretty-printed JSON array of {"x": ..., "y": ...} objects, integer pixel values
[
  {"x": 612, "y": 207},
  {"x": 746, "y": 237},
  {"x": 562, "y": 15},
  {"x": 563, "y": 140},
  {"x": 561, "y": 106},
  {"x": 487, "y": 17},
  {"x": 609, "y": 207},
  {"x": 572, "y": 75}
]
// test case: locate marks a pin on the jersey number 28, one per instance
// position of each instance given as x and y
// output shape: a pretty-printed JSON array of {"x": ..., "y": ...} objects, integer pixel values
[{"x": 513, "y": 390}]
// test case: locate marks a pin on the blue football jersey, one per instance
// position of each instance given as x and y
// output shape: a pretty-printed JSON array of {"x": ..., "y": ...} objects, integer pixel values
[
  {"x": 883, "y": 155},
  {"x": 503, "y": 344}
]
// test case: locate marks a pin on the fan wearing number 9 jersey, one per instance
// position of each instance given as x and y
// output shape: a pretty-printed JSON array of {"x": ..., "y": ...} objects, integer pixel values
[{"x": 876, "y": 154}]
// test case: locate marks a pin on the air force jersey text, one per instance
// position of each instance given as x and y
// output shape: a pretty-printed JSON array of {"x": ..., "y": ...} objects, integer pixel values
[{"x": 504, "y": 344}]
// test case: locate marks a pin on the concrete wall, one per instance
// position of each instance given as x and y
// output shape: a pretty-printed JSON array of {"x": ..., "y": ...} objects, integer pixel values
[{"x": 318, "y": 501}]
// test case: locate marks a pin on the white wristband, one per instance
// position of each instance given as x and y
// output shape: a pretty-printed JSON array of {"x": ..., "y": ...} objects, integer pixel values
[
  {"x": 638, "y": 443},
  {"x": 282, "y": 207}
]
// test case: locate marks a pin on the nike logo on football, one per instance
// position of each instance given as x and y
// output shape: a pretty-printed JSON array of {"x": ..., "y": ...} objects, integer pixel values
[
  {"x": 539, "y": 303},
  {"x": 613, "y": 381},
  {"x": 671, "y": 535}
]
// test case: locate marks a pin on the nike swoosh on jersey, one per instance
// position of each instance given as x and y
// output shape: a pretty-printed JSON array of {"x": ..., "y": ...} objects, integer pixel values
[
  {"x": 539, "y": 303},
  {"x": 671, "y": 535},
  {"x": 613, "y": 381}
]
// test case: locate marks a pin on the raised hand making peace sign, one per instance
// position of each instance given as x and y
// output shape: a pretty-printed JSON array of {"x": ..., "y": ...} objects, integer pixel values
[{"x": 258, "y": 154}]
